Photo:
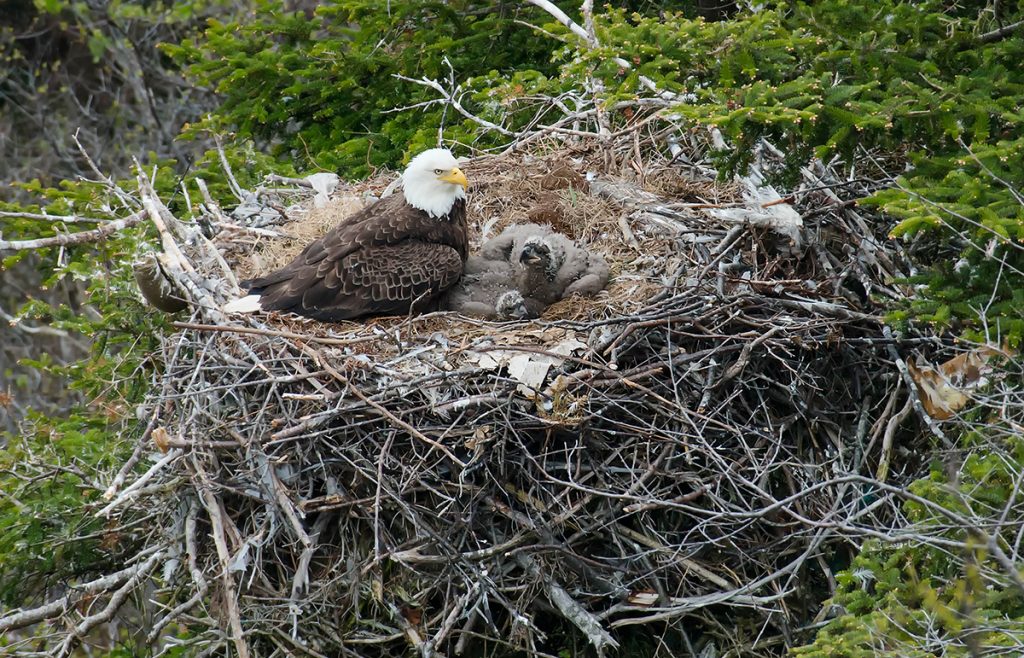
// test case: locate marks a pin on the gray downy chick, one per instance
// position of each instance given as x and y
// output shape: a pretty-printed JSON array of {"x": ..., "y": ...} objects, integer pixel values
[
  {"x": 553, "y": 267},
  {"x": 487, "y": 290},
  {"x": 544, "y": 267},
  {"x": 539, "y": 259},
  {"x": 583, "y": 272}
]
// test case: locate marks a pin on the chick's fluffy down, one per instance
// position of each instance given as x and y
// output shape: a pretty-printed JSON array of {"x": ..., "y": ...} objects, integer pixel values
[
  {"x": 484, "y": 290},
  {"x": 541, "y": 265}
]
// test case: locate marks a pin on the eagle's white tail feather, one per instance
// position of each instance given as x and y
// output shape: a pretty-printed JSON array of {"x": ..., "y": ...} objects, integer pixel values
[{"x": 247, "y": 304}]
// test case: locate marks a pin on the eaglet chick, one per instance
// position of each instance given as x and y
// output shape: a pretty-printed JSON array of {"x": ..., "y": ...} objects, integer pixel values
[
  {"x": 522, "y": 271},
  {"x": 548, "y": 265},
  {"x": 487, "y": 290}
]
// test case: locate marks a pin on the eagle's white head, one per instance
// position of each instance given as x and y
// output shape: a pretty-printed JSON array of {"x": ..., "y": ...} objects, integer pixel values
[{"x": 433, "y": 181}]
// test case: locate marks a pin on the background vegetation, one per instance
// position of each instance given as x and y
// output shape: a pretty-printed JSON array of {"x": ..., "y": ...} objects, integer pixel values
[{"x": 930, "y": 90}]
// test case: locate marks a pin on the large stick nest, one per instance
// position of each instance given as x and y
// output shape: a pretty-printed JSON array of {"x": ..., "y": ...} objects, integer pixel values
[{"x": 679, "y": 456}]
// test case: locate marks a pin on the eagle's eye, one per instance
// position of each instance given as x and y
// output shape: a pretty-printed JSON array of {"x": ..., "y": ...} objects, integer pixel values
[{"x": 438, "y": 171}]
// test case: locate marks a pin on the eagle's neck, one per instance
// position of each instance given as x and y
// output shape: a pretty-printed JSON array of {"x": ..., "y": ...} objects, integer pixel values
[{"x": 430, "y": 197}]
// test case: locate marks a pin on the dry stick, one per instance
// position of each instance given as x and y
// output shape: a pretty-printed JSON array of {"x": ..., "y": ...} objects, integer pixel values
[
  {"x": 197, "y": 576},
  {"x": 212, "y": 206},
  {"x": 177, "y": 261},
  {"x": 450, "y": 98},
  {"x": 127, "y": 494},
  {"x": 231, "y": 227},
  {"x": 887, "y": 439},
  {"x": 1005, "y": 31},
  {"x": 722, "y": 248},
  {"x": 209, "y": 249},
  {"x": 300, "y": 428},
  {"x": 564, "y": 19},
  {"x": 81, "y": 237},
  {"x": 453, "y": 616},
  {"x": 467, "y": 631},
  {"x": 172, "y": 258},
  {"x": 484, "y": 399},
  {"x": 709, "y": 386},
  {"x": 236, "y": 189},
  {"x": 399, "y": 422},
  {"x": 310, "y": 338},
  {"x": 741, "y": 595},
  {"x": 104, "y": 178},
  {"x": 569, "y": 607},
  {"x": 212, "y": 505},
  {"x": 590, "y": 40},
  {"x": 696, "y": 567},
  {"x": 64, "y": 219},
  {"x": 140, "y": 447},
  {"x": 300, "y": 182},
  {"x": 828, "y": 308},
  {"x": 879, "y": 425},
  {"x": 183, "y": 444},
  {"x": 912, "y": 392},
  {"x": 270, "y": 480},
  {"x": 627, "y": 233},
  {"x": 289, "y": 510},
  {"x": 302, "y": 648},
  {"x": 744, "y": 357},
  {"x": 225, "y": 269},
  {"x": 301, "y": 580},
  {"x": 410, "y": 631},
  {"x": 544, "y": 532},
  {"x": 413, "y": 556},
  {"x": 649, "y": 207}
]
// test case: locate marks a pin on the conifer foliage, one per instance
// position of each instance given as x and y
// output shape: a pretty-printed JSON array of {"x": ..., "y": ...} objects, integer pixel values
[{"x": 321, "y": 86}]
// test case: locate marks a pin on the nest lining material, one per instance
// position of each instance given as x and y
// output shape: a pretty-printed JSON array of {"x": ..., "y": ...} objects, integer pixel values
[{"x": 667, "y": 455}]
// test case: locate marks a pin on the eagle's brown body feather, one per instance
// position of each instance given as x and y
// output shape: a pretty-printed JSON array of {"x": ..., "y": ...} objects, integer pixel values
[{"x": 389, "y": 258}]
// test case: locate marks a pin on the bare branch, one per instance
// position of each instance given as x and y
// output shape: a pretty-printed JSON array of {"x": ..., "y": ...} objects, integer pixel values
[
  {"x": 564, "y": 19},
  {"x": 63, "y": 605},
  {"x": 1000, "y": 33},
  {"x": 81, "y": 237}
]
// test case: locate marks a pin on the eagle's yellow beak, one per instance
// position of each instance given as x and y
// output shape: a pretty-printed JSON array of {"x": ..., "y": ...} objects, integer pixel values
[{"x": 456, "y": 177}]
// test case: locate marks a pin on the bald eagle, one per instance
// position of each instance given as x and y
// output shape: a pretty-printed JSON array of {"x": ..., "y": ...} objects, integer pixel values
[{"x": 396, "y": 256}]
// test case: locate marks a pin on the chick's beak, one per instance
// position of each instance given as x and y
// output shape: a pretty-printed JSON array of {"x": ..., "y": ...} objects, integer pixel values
[
  {"x": 456, "y": 177},
  {"x": 529, "y": 255}
]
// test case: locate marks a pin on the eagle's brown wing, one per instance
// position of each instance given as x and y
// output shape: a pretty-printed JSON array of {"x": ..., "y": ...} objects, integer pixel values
[
  {"x": 389, "y": 258},
  {"x": 373, "y": 281}
]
